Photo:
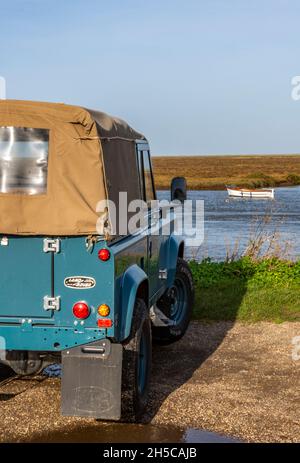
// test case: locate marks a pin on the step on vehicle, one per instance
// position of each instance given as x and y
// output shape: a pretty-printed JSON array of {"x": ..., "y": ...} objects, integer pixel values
[{"x": 73, "y": 290}]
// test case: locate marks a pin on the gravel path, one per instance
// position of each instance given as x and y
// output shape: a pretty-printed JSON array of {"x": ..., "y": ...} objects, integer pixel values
[{"x": 234, "y": 379}]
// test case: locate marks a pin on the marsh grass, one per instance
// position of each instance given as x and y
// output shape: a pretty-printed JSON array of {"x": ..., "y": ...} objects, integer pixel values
[
  {"x": 265, "y": 242},
  {"x": 214, "y": 172}
]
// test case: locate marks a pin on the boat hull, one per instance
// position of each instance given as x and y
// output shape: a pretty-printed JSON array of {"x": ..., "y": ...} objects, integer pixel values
[{"x": 245, "y": 193}]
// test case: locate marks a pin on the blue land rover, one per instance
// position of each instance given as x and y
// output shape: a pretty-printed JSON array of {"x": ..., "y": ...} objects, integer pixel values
[{"x": 78, "y": 284}]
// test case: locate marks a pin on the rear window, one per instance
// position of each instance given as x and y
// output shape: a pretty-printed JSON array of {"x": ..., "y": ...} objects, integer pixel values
[{"x": 23, "y": 160}]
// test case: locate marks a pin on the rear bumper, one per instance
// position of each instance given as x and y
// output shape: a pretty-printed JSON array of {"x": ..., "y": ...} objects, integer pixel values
[{"x": 45, "y": 338}]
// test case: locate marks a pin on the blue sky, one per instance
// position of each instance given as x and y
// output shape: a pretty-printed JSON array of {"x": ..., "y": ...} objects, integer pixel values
[{"x": 196, "y": 76}]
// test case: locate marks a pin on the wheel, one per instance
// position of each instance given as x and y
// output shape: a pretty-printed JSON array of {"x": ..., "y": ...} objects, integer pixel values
[
  {"x": 136, "y": 369},
  {"x": 175, "y": 307}
]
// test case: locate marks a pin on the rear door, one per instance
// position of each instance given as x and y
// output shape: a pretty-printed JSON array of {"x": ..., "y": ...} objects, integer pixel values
[
  {"x": 25, "y": 266},
  {"x": 26, "y": 277}
]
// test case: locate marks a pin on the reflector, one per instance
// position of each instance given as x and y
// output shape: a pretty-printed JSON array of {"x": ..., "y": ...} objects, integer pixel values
[{"x": 105, "y": 323}]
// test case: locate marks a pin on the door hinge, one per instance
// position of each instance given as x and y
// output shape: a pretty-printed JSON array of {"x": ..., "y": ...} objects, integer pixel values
[
  {"x": 4, "y": 241},
  {"x": 51, "y": 245},
  {"x": 52, "y": 303},
  {"x": 163, "y": 274}
]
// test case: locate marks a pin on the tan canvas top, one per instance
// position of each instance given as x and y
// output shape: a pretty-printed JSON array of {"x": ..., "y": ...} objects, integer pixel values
[{"x": 76, "y": 180}]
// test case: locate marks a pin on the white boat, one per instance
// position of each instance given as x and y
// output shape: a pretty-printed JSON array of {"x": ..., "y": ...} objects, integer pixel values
[{"x": 250, "y": 193}]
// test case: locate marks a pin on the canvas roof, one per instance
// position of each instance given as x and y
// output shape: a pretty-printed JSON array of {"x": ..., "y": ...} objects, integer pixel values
[{"x": 76, "y": 177}]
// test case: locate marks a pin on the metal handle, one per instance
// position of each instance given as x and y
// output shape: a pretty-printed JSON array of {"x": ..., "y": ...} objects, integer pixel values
[{"x": 93, "y": 350}]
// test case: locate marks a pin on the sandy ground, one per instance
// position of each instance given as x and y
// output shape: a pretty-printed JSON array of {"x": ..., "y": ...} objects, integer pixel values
[{"x": 234, "y": 379}]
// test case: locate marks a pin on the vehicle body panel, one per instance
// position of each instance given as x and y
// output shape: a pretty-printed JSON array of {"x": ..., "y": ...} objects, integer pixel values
[
  {"x": 117, "y": 283},
  {"x": 25, "y": 274}
]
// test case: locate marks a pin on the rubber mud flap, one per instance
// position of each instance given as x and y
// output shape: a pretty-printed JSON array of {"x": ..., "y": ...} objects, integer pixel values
[{"x": 91, "y": 381}]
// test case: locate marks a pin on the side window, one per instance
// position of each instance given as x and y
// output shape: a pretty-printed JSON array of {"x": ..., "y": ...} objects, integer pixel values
[
  {"x": 148, "y": 177},
  {"x": 122, "y": 175},
  {"x": 141, "y": 175}
]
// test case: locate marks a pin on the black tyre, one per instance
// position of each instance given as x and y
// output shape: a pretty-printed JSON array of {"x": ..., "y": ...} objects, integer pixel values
[
  {"x": 177, "y": 306},
  {"x": 136, "y": 370}
]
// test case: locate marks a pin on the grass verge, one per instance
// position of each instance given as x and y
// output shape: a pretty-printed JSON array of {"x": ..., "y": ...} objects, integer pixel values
[{"x": 247, "y": 290}]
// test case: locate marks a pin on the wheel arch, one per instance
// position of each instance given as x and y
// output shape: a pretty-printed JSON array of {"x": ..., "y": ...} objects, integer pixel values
[
  {"x": 181, "y": 249},
  {"x": 134, "y": 284},
  {"x": 143, "y": 291}
]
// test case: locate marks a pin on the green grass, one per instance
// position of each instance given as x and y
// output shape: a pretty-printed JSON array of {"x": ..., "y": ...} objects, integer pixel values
[{"x": 247, "y": 290}]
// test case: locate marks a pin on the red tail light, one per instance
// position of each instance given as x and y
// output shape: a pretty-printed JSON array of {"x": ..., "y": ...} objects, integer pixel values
[
  {"x": 105, "y": 323},
  {"x": 81, "y": 310},
  {"x": 104, "y": 254}
]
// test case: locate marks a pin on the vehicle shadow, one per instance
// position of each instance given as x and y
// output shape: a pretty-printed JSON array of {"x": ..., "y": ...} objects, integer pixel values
[
  {"x": 5, "y": 372},
  {"x": 175, "y": 364}
]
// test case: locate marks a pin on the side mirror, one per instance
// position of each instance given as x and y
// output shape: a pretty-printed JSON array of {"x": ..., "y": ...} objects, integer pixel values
[{"x": 178, "y": 189}]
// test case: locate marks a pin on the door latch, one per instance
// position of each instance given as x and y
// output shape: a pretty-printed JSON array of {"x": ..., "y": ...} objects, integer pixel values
[
  {"x": 52, "y": 303},
  {"x": 163, "y": 274},
  {"x": 157, "y": 214},
  {"x": 51, "y": 245}
]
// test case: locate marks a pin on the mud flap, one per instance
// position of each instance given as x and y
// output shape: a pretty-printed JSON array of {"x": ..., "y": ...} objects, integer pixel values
[{"x": 91, "y": 380}]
